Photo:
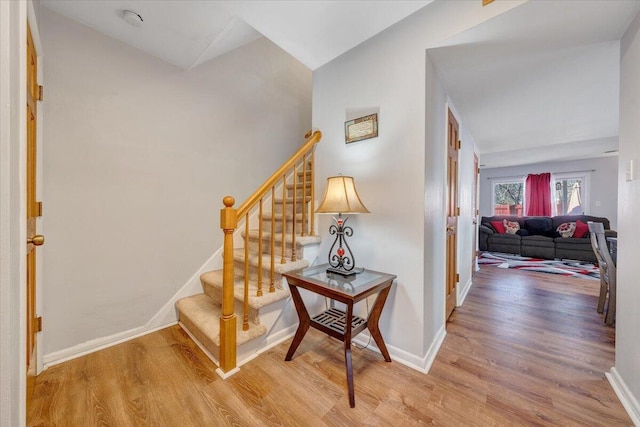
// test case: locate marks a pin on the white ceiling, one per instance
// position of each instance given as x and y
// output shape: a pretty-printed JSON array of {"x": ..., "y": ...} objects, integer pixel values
[
  {"x": 188, "y": 33},
  {"x": 537, "y": 83},
  {"x": 540, "y": 82}
]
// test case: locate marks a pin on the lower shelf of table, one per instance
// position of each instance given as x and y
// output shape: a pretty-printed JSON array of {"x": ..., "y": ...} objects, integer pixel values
[{"x": 336, "y": 320}]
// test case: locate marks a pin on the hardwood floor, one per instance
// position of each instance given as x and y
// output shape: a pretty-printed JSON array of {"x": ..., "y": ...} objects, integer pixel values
[{"x": 524, "y": 349}]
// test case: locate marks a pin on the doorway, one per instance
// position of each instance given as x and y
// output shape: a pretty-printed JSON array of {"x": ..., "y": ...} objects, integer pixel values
[{"x": 453, "y": 146}]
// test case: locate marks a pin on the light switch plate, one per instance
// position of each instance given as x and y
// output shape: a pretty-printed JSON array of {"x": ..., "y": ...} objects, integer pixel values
[{"x": 631, "y": 173}]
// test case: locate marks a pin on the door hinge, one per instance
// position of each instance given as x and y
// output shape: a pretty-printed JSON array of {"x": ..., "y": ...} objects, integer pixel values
[
  {"x": 478, "y": 170},
  {"x": 457, "y": 211},
  {"x": 38, "y": 209},
  {"x": 39, "y": 324},
  {"x": 40, "y": 93},
  {"x": 458, "y": 145},
  {"x": 457, "y": 277},
  {"x": 477, "y": 212}
]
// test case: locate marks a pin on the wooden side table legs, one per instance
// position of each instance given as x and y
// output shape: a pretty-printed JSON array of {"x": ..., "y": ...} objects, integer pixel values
[
  {"x": 305, "y": 321},
  {"x": 347, "y": 354},
  {"x": 372, "y": 323},
  {"x": 337, "y": 322}
]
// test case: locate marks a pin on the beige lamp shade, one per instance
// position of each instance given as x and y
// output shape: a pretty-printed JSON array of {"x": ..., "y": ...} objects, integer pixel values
[{"x": 341, "y": 196}]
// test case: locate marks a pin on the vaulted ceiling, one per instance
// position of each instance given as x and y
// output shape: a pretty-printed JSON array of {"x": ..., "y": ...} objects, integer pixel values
[
  {"x": 188, "y": 33},
  {"x": 538, "y": 83}
]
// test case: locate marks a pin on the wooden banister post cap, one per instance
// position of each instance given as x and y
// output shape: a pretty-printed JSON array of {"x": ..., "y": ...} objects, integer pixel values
[
  {"x": 228, "y": 201},
  {"x": 228, "y": 218}
]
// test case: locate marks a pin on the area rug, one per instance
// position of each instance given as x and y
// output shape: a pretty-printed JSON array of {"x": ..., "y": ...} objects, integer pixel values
[{"x": 563, "y": 267}]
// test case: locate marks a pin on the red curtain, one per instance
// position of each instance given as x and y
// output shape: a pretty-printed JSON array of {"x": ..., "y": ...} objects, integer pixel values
[{"x": 538, "y": 190}]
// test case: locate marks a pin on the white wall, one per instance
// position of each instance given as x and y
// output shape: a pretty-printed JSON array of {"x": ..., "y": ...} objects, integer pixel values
[
  {"x": 628, "y": 314},
  {"x": 13, "y": 21},
  {"x": 603, "y": 193},
  {"x": 400, "y": 175},
  {"x": 138, "y": 155}
]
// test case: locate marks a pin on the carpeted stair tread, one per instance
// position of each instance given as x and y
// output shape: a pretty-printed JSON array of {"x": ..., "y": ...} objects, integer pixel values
[
  {"x": 201, "y": 316},
  {"x": 278, "y": 201},
  {"x": 299, "y": 185},
  {"x": 267, "y": 216},
  {"x": 300, "y": 240},
  {"x": 238, "y": 255},
  {"x": 212, "y": 285}
]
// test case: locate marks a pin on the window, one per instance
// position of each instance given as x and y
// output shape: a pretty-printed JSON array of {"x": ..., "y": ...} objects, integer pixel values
[
  {"x": 570, "y": 193},
  {"x": 508, "y": 197}
]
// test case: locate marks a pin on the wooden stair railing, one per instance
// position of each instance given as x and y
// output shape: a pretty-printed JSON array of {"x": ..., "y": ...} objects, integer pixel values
[{"x": 301, "y": 160}]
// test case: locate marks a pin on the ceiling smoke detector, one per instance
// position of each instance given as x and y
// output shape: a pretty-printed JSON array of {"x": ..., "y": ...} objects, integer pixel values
[{"x": 132, "y": 18}]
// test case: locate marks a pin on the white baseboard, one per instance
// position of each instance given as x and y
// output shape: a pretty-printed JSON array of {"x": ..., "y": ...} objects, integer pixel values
[
  {"x": 463, "y": 292},
  {"x": 97, "y": 344},
  {"x": 420, "y": 364},
  {"x": 627, "y": 398},
  {"x": 278, "y": 338},
  {"x": 224, "y": 375}
]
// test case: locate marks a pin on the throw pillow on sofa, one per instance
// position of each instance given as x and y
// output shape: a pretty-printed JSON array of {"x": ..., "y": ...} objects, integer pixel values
[
  {"x": 498, "y": 226},
  {"x": 581, "y": 230},
  {"x": 566, "y": 229},
  {"x": 511, "y": 227}
]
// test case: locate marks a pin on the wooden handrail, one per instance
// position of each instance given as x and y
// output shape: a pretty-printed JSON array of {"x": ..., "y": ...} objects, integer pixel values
[
  {"x": 229, "y": 218},
  {"x": 266, "y": 186}
]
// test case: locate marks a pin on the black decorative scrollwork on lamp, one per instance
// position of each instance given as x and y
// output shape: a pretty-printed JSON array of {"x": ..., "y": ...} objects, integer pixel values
[{"x": 340, "y": 197}]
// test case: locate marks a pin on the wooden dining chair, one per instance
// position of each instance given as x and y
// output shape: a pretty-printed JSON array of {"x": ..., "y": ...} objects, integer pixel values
[{"x": 607, "y": 272}]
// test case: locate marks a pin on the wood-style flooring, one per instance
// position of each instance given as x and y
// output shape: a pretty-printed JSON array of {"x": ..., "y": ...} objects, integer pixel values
[{"x": 524, "y": 349}]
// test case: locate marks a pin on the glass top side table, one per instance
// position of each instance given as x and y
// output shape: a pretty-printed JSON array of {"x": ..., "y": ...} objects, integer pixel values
[{"x": 339, "y": 324}]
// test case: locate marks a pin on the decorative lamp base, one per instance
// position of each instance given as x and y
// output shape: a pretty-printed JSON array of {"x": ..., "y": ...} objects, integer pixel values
[{"x": 341, "y": 272}]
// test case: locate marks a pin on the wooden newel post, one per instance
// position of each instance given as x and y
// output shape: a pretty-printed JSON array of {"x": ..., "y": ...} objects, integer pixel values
[{"x": 228, "y": 223}]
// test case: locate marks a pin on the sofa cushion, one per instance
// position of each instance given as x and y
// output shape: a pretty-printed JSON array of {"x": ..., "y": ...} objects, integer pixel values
[
  {"x": 498, "y": 226},
  {"x": 522, "y": 232},
  {"x": 511, "y": 226},
  {"x": 581, "y": 230},
  {"x": 506, "y": 243},
  {"x": 538, "y": 226},
  {"x": 542, "y": 241},
  {"x": 566, "y": 229},
  {"x": 572, "y": 242},
  {"x": 552, "y": 233}
]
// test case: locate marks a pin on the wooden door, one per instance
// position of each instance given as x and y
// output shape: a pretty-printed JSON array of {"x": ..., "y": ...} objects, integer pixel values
[
  {"x": 474, "y": 243},
  {"x": 33, "y": 211},
  {"x": 453, "y": 145}
]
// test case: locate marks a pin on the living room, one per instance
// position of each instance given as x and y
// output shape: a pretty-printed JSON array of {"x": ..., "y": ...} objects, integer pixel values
[{"x": 568, "y": 194}]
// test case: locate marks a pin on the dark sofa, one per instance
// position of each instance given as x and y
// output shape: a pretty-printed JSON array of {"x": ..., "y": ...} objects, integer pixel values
[{"x": 539, "y": 238}]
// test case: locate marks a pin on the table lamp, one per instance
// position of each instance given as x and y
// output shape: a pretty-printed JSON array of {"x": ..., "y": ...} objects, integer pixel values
[{"x": 340, "y": 197}]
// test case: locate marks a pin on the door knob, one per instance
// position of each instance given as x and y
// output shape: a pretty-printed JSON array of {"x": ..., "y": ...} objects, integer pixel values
[
  {"x": 450, "y": 228},
  {"x": 37, "y": 240}
]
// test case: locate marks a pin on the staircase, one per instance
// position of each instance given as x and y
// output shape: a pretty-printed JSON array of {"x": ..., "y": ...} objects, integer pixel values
[{"x": 276, "y": 234}]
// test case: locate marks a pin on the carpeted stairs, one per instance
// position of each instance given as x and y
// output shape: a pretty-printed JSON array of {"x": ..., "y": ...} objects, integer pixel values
[{"x": 200, "y": 314}]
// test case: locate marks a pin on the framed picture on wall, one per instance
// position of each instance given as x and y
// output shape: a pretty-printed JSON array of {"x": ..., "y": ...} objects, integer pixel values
[{"x": 361, "y": 128}]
